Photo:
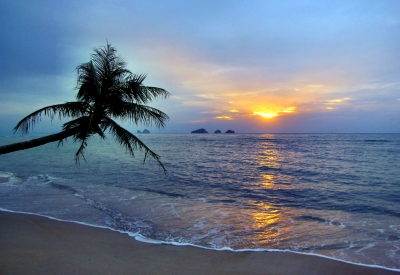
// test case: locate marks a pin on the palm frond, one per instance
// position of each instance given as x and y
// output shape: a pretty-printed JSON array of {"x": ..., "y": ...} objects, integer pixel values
[
  {"x": 154, "y": 93},
  {"x": 135, "y": 91},
  {"x": 86, "y": 128},
  {"x": 129, "y": 141},
  {"x": 138, "y": 114},
  {"x": 82, "y": 137},
  {"x": 138, "y": 78},
  {"x": 81, "y": 125},
  {"x": 88, "y": 82},
  {"x": 91, "y": 128},
  {"x": 68, "y": 109},
  {"x": 107, "y": 61},
  {"x": 82, "y": 147},
  {"x": 103, "y": 75},
  {"x": 80, "y": 122}
]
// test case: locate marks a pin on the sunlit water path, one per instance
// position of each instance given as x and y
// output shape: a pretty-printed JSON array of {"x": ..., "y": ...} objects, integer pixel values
[{"x": 330, "y": 194}]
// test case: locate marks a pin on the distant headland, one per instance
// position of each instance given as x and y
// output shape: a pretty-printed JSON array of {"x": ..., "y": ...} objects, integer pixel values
[
  {"x": 204, "y": 131},
  {"x": 145, "y": 131}
]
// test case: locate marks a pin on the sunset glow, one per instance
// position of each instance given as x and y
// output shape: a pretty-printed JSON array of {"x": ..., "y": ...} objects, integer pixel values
[
  {"x": 275, "y": 114},
  {"x": 266, "y": 115},
  {"x": 306, "y": 66}
]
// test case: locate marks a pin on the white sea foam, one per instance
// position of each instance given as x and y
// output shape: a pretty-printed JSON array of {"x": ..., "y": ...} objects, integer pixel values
[
  {"x": 10, "y": 178},
  {"x": 140, "y": 238}
]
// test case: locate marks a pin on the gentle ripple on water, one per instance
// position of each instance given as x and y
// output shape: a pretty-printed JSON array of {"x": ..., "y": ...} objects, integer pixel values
[{"x": 335, "y": 194}]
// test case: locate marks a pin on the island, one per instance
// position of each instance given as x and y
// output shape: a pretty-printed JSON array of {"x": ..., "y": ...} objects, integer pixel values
[
  {"x": 217, "y": 132},
  {"x": 200, "y": 131},
  {"x": 229, "y": 132},
  {"x": 145, "y": 131}
]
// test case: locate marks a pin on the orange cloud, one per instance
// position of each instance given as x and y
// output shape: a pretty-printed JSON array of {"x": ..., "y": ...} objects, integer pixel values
[{"x": 224, "y": 117}]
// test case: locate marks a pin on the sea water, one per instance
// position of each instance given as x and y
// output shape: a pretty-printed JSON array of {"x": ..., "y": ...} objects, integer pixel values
[{"x": 336, "y": 195}]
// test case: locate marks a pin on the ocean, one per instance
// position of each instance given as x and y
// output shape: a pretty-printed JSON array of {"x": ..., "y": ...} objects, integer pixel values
[{"x": 334, "y": 195}]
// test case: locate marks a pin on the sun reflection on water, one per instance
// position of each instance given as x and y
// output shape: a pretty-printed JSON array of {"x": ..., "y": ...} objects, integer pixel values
[
  {"x": 266, "y": 223},
  {"x": 269, "y": 160},
  {"x": 275, "y": 224},
  {"x": 268, "y": 181},
  {"x": 267, "y": 220}
]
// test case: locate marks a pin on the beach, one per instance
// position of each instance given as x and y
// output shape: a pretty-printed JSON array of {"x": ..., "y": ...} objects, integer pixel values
[{"x": 31, "y": 244}]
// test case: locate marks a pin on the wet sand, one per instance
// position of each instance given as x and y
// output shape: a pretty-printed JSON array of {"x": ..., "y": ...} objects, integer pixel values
[{"x": 37, "y": 245}]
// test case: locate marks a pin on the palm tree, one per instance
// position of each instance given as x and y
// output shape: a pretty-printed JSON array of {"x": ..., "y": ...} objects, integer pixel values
[{"x": 106, "y": 91}]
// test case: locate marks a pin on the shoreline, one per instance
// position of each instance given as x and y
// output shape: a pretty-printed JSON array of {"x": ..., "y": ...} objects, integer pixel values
[{"x": 36, "y": 244}]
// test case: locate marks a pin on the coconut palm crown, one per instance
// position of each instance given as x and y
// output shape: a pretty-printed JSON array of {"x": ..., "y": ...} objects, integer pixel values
[{"x": 107, "y": 91}]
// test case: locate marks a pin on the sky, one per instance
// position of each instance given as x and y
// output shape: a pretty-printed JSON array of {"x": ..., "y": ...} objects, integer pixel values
[{"x": 311, "y": 66}]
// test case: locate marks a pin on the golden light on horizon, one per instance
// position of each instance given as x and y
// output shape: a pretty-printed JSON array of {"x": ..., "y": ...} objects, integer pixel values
[{"x": 275, "y": 114}]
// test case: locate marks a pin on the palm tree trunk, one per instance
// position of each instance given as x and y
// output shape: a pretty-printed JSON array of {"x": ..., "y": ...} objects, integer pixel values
[{"x": 37, "y": 142}]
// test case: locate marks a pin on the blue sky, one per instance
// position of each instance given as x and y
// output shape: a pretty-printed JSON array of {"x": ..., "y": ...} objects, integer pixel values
[{"x": 250, "y": 66}]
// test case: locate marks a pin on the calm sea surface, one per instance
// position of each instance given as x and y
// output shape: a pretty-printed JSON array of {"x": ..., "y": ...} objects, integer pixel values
[{"x": 336, "y": 195}]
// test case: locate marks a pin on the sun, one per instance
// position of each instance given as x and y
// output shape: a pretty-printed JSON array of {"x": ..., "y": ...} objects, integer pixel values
[
  {"x": 279, "y": 112},
  {"x": 266, "y": 115}
]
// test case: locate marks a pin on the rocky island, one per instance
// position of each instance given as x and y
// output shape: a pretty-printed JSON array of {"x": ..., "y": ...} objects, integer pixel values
[
  {"x": 229, "y": 132},
  {"x": 200, "y": 131},
  {"x": 145, "y": 131}
]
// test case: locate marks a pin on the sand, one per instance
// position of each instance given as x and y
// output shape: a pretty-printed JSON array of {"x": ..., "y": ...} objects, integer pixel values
[{"x": 36, "y": 245}]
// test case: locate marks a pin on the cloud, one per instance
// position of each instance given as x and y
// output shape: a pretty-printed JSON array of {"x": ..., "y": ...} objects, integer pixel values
[
  {"x": 224, "y": 117},
  {"x": 229, "y": 61},
  {"x": 338, "y": 100}
]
